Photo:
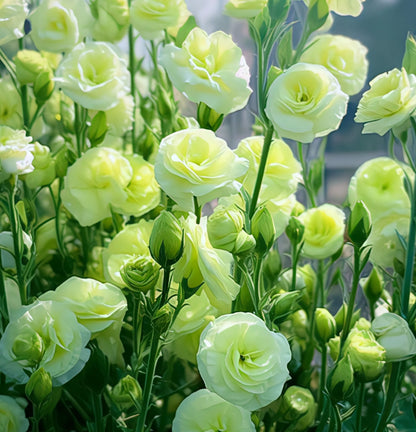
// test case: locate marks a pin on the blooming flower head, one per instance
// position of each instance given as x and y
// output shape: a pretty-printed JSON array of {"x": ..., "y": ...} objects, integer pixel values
[
  {"x": 389, "y": 103},
  {"x": 44, "y": 334},
  {"x": 242, "y": 361},
  {"x": 209, "y": 69},
  {"x": 12, "y": 17},
  {"x": 16, "y": 155},
  {"x": 324, "y": 231},
  {"x": 344, "y": 57},
  {"x": 59, "y": 25},
  {"x": 151, "y": 17},
  {"x": 213, "y": 414},
  {"x": 244, "y": 8},
  {"x": 344, "y": 7},
  {"x": 12, "y": 414},
  {"x": 196, "y": 163},
  {"x": 305, "y": 102},
  {"x": 94, "y": 76},
  {"x": 111, "y": 20}
]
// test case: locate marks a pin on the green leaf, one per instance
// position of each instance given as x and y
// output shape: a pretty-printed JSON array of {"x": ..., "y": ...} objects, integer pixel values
[
  {"x": 315, "y": 175},
  {"x": 409, "y": 58},
  {"x": 262, "y": 23},
  {"x": 185, "y": 30},
  {"x": 285, "y": 49},
  {"x": 405, "y": 420},
  {"x": 317, "y": 15},
  {"x": 278, "y": 10}
]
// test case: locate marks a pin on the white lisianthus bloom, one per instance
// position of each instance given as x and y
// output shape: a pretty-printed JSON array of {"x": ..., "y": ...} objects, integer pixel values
[
  {"x": 242, "y": 361},
  {"x": 209, "y": 69},
  {"x": 344, "y": 7},
  {"x": 44, "y": 334},
  {"x": 196, "y": 163},
  {"x": 59, "y": 25},
  {"x": 16, "y": 155},
  {"x": 389, "y": 103},
  {"x": 12, "y": 18},
  {"x": 12, "y": 414},
  {"x": 205, "y": 411},
  {"x": 200, "y": 263},
  {"x": 305, "y": 102},
  {"x": 244, "y": 8},
  {"x": 94, "y": 75},
  {"x": 344, "y": 57}
]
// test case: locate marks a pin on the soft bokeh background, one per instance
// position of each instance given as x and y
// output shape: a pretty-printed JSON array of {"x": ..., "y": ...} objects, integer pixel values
[{"x": 382, "y": 28}]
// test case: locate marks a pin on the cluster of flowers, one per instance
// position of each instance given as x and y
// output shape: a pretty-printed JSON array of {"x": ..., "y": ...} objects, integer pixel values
[{"x": 108, "y": 268}]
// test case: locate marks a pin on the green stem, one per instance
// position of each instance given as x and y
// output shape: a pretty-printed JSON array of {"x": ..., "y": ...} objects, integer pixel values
[
  {"x": 35, "y": 418},
  {"x": 410, "y": 255},
  {"x": 390, "y": 397},
  {"x": 17, "y": 241},
  {"x": 197, "y": 210},
  {"x": 132, "y": 69},
  {"x": 351, "y": 302},
  {"x": 308, "y": 189},
  {"x": 262, "y": 166},
  {"x": 148, "y": 383},
  {"x": 325, "y": 414},
  {"x": 165, "y": 286},
  {"x": 23, "y": 97},
  {"x": 257, "y": 280},
  {"x": 97, "y": 407},
  {"x": 135, "y": 314},
  {"x": 3, "y": 300},
  {"x": 295, "y": 258},
  {"x": 322, "y": 378},
  {"x": 358, "y": 412}
]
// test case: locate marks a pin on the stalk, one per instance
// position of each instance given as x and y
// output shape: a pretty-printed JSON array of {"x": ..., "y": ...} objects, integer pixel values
[{"x": 132, "y": 69}]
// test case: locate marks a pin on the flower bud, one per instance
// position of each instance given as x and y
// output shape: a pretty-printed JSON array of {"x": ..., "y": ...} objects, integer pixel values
[
  {"x": 126, "y": 392},
  {"x": 373, "y": 285},
  {"x": 43, "y": 87},
  {"x": 366, "y": 354},
  {"x": 394, "y": 335},
  {"x": 44, "y": 172},
  {"x": 166, "y": 239},
  {"x": 208, "y": 118},
  {"x": 325, "y": 325},
  {"x": 61, "y": 162},
  {"x": 39, "y": 386},
  {"x": 298, "y": 407},
  {"x": 224, "y": 225},
  {"x": 29, "y": 65},
  {"x": 162, "y": 318},
  {"x": 263, "y": 230},
  {"x": 300, "y": 323},
  {"x": 140, "y": 274},
  {"x": 341, "y": 315},
  {"x": 111, "y": 19},
  {"x": 341, "y": 379},
  {"x": 295, "y": 230},
  {"x": 244, "y": 243},
  {"x": 28, "y": 347},
  {"x": 283, "y": 305},
  {"x": 359, "y": 224},
  {"x": 272, "y": 266},
  {"x": 98, "y": 128},
  {"x": 409, "y": 59}
]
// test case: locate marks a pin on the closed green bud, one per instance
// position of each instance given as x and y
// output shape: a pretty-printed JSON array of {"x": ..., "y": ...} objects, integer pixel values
[
  {"x": 208, "y": 118},
  {"x": 244, "y": 243},
  {"x": 341, "y": 379},
  {"x": 44, "y": 172},
  {"x": 272, "y": 266},
  {"x": 28, "y": 347},
  {"x": 325, "y": 325},
  {"x": 283, "y": 305},
  {"x": 43, "y": 87},
  {"x": 39, "y": 386},
  {"x": 166, "y": 239},
  {"x": 98, "y": 129},
  {"x": 224, "y": 226},
  {"x": 126, "y": 393},
  {"x": 61, "y": 162},
  {"x": 359, "y": 224},
  {"x": 29, "y": 65},
  {"x": 162, "y": 318},
  {"x": 299, "y": 320},
  {"x": 342, "y": 314},
  {"x": 263, "y": 230},
  {"x": 297, "y": 407},
  {"x": 373, "y": 285},
  {"x": 409, "y": 59},
  {"x": 295, "y": 230},
  {"x": 140, "y": 274}
]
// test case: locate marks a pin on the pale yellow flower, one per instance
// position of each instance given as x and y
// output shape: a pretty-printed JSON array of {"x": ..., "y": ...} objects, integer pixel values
[
  {"x": 59, "y": 25},
  {"x": 94, "y": 75},
  {"x": 205, "y": 411},
  {"x": 111, "y": 20},
  {"x": 196, "y": 163},
  {"x": 242, "y": 361},
  {"x": 389, "y": 103},
  {"x": 12, "y": 414},
  {"x": 344, "y": 57},
  {"x": 244, "y": 8},
  {"x": 305, "y": 102},
  {"x": 12, "y": 17},
  {"x": 209, "y": 69}
]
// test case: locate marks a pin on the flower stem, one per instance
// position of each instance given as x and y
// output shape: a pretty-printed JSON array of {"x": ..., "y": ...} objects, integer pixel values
[
  {"x": 97, "y": 407},
  {"x": 166, "y": 286},
  {"x": 4, "y": 317},
  {"x": 148, "y": 383},
  {"x": 132, "y": 69},
  {"x": 197, "y": 210},
  {"x": 308, "y": 188},
  {"x": 322, "y": 378},
  {"x": 260, "y": 173},
  {"x": 23, "y": 97},
  {"x": 358, "y": 411}
]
